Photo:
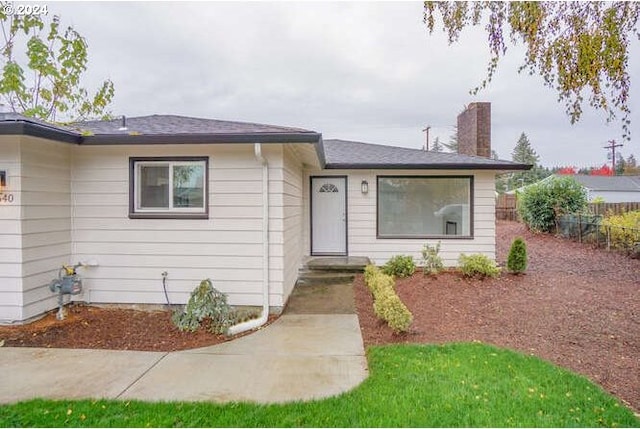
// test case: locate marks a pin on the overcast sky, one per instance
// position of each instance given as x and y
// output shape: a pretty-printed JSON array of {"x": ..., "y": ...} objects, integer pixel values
[{"x": 359, "y": 71}]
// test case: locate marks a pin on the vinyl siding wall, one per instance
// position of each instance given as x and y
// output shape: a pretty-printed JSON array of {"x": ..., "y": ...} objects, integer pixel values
[
  {"x": 133, "y": 253},
  {"x": 361, "y": 218},
  {"x": 35, "y": 238},
  {"x": 293, "y": 220},
  {"x": 11, "y": 234}
]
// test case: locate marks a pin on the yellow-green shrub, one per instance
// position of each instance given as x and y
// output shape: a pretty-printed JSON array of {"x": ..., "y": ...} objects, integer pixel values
[
  {"x": 370, "y": 271},
  {"x": 625, "y": 229},
  {"x": 391, "y": 309},
  {"x": 386, "y": 303}
]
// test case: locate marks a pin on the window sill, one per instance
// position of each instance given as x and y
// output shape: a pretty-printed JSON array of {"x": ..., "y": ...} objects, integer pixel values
[
  {"x": 424, "y": 237},
  {"x": 168, "y": 215}
]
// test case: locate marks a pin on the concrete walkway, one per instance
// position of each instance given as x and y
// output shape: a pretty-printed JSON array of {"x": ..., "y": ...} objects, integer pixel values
[{"x": 298, "y": 357}]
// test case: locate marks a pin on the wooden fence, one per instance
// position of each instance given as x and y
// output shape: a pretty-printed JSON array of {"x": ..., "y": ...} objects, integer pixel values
[
  {"x": 616, "y": 208},
  {"x": 507, "y": 207}
]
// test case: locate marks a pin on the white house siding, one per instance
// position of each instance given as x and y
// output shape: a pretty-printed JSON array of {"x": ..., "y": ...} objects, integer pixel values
[
  {"x": 36, "y": 230},
  {"x": 361, "y": 217},
  {"x": 293, "y": 222},
  {"x": 132, "y": 253},
  {"x": 11, "y": 234}
]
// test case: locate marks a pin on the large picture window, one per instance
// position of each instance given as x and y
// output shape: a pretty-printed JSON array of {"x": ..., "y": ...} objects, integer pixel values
[
  {"x": 425, "y": 206},
  {"x": 168, "y": 187}
]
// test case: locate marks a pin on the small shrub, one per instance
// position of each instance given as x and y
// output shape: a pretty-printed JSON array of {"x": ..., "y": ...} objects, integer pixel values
[
  {"x": 624, "y": 229},
  {"x": 431, "y": 260},
  {"x": 517, "y": 259},
  {"x": 399, "y": 266},
  {"x": 209, "y": 306},
  {"x": 478, "y": 266}
]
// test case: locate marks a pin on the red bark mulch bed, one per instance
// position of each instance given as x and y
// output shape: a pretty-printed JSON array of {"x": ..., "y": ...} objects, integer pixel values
[
  {"x": 88, "y": 327},
  {"x": 576, "y": 306}
]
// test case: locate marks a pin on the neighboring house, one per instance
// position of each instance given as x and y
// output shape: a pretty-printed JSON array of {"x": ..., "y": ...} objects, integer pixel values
[
  {"x": 243, "y": 204},
  {"x": 612, "y": 189}
]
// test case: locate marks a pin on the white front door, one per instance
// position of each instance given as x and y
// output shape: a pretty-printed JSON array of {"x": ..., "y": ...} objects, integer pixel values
[{"x": 329, "y": 215}]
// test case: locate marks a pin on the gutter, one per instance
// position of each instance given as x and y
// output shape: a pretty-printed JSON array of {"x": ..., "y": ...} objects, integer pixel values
[{"x": 256, "y": 323}]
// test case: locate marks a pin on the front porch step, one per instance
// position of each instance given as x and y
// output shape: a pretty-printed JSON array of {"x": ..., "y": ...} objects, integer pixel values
[
  {"x": 345, "y": 264},
  {"x": 315, "y": 278},
  {"x": 319, "y": 271}
]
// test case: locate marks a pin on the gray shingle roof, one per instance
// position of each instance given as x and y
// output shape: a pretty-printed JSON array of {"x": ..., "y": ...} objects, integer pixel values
[
  {"x": 157, "y": 129},
  {"x": 172, "y": 129},
  {"x": 176, "y": 125},
  {"x": 609, "y": 183},
  {"x": 344, "y": 154}
]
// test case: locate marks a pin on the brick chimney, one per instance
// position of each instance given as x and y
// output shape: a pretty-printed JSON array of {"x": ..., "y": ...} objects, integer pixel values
[{"x": 474, "y": 130}]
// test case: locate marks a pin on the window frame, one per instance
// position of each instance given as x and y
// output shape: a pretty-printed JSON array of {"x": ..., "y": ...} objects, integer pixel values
[
  {"x": 427, "y": 236},
  {"x": 170, "y": 213}
]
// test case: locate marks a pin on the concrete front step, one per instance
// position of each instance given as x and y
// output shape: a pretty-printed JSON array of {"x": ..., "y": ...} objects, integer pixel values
[
  {"x": 345, "y": 264},
  {"x": 313, "y": 278}
]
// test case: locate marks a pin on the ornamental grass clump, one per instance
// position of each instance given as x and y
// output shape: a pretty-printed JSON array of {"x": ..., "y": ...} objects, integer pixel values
[
  {"x": 478, "y": 266},
  {"x": 386, "y": 303},
  {"x": 517, "y": 259}
]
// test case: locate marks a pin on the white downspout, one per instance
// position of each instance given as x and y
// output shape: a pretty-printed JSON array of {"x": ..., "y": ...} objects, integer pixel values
[{"x": 256, "y": 323}]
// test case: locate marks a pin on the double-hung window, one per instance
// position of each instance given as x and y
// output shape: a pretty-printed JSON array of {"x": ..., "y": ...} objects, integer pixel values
[
  {"x": 425, "y": 206},
  {"x": 168, "y": 187}
]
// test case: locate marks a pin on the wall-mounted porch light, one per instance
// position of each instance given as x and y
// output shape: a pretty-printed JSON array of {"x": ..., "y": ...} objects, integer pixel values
[
  {"x": 364, "y": 187},
  {"x": 3, "y": 179}
]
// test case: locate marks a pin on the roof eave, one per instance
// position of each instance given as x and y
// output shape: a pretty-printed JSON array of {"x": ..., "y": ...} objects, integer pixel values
[
  {"x": 440, "y": 166},
  {"x": 25, "y": 128}
]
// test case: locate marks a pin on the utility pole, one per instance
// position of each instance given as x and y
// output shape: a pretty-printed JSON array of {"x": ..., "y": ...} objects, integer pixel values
[
  {"x": 612, "y": 147},
  {"x": 426, "y": 146}
]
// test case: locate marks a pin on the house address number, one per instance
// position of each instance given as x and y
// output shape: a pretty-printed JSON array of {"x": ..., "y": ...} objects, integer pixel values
[{"x": 6, "y": 198}]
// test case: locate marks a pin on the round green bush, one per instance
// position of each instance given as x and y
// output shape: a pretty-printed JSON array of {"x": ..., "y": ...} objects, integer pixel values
[
  {"x": 400, "y": 266},
  {"x": 539, "y": 204}
]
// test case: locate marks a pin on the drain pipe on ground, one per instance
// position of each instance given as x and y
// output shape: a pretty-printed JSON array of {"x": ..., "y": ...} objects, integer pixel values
[{"x": 256, "y": 323}]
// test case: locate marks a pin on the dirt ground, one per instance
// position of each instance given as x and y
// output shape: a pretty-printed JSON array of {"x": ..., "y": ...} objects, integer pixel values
[{"x": 576, "y": 306}]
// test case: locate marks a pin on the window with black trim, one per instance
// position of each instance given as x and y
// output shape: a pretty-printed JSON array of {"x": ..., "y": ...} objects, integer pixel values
[
  {"x": 425, "y": 206},
  {"x": 168, "y": 187}
]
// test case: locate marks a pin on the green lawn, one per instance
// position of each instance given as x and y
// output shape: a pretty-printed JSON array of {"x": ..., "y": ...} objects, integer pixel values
[{"x": 409, "y": 385}]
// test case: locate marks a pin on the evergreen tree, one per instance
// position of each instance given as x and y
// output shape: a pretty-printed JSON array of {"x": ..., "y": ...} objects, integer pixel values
[
  {"x": 631, "y": 166},
  {"x": 517, "y": 259},
  {"x": 452, "y": 146},
  {"x": 525, "y": 154},
  {"x": 621, "y": 164},
  {"x": 437, "y": 146}
]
